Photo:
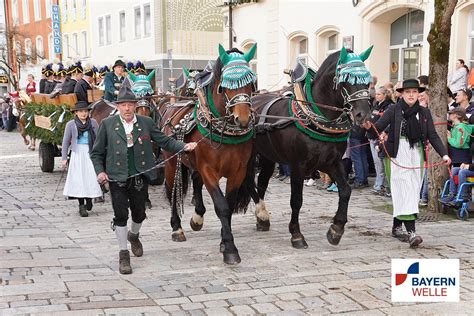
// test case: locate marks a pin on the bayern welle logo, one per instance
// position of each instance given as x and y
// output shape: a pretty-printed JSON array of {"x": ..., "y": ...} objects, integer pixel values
[{"x": 425, "y": 280}]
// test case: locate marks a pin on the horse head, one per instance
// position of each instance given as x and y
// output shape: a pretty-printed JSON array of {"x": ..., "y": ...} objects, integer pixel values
[
  {"x": 143, "y": 108},
  {"x": 345, "y": 73},
  {"x": 234, "y": 84}
]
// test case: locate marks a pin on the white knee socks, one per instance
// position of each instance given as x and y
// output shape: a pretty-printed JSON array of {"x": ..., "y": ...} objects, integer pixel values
[
  {"x": 121, "y": 233},
  {"x": 135, "y": 227}
]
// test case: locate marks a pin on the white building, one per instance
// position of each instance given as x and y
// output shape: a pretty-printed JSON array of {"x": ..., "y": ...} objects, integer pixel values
[
  {"x": 398, "y": 29},
  {"x": 165, "y": 34}
]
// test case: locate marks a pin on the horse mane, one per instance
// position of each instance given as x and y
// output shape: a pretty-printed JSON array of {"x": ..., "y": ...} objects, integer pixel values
[
  {"x": 217, "y": 70},
  {"x": 328, "y": 68}
]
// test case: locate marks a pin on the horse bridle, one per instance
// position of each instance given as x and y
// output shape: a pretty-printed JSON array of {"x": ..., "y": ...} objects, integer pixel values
[{"x": 241, "y": 98}]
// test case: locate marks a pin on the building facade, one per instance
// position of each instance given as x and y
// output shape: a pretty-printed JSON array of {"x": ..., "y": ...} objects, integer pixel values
[
  {"x": 398, "y": 29},
  {"x": 28, "y": 30},
  {"x": 75, "y": 30},
  {"x": 164, "y": 34}
]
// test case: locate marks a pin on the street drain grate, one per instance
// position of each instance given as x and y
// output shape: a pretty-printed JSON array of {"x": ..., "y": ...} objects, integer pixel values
[{"x": 428, "y": 217}]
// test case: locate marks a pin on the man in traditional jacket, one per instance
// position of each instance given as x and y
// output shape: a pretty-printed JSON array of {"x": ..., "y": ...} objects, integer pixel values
[
  {"x": 84, "y": 84},
  {"x": 113, "y": 81}
]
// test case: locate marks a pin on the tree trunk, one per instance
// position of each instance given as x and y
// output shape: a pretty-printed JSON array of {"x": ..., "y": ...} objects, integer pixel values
[{"x": 439, "y": 40}]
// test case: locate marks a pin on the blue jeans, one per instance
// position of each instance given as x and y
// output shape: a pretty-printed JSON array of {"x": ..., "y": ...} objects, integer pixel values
[
  {"x": 379, "y": 170},
  {"x": 286, "y": 170},
  {"x": 359, "y": 159},
  {"x": 462, "y": 177},
  {"x": 424, "y": 188}
]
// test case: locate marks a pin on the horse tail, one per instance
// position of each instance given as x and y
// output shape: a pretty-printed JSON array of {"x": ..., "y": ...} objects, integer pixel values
[{"x": 244, "y": 193}]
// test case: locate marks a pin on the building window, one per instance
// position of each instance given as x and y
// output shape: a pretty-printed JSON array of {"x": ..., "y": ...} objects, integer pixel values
[
  {"x": 28, "y": 49},
  {"x": 50, "y": 46},
  {"x": 39, "y": 48},
  {"x": 66, "y": 46},
  {"x": 253, "y": 62},
  {"x": 48, "y": 8},
  {"x": 298, "y": 48},
  {"x": 101, "y": 32},
  {"x": 122, "y": 26},
  {"x": 37, "y": 8},
  {"x": 138, "y": 22},
  {"x": 108, "y": 30},
  {"x": 332, "y": 43},
  {"x": 146, "y": 20},
  {"x": 15, "y": 12},
  {"x": 470, "y": 41},
  {"x": 63, "y": 5},
  {"x": 84, "y": 40},
  {"x": 74, "y": 10},
  {"x": 76, "y": 44},
  {"x": 84, "y": 9},
  {"x": 26, "y": 12}
]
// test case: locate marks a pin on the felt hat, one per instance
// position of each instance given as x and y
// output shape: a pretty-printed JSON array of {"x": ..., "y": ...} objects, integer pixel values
[
  {"x": 75, "y": 68},
  {"x": 411, "y": 84},
  {"x": 118, "y": 62},
  {"x": 126, "y": 95},
  {"x": 89, "y": 70},
  {"x": 80, "y": 105}
]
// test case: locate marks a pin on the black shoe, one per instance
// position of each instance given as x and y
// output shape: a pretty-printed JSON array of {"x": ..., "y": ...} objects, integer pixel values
[
  {"x": 136, "y": 245},
  {"x": 414, "y": 239},
  {"x": 124, "y": 262},
  {"x": 89, "y": 204},
  {"x": 398, "y": 233},
  {"x": 83, "y": 211}
]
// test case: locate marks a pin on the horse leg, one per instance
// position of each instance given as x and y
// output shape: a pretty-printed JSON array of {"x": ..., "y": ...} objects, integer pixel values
[
  {"x": 224, "y": 213},
  {"x": 33, "y": 143},
  {"x": 297, "y": 179},
  {"x": 261, "y": 212},
  {"x": 178, "y": 233},
  {"x": 336, "y": 230},
  {"x": 197, "y": 219}
]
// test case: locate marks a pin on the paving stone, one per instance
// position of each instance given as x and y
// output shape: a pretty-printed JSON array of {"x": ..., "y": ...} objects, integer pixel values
[
  {"x": 217, "y": 303},
  {"x": 224, "y": 295},
  {"x": 217, "y": 311},
  {"x": 288, "y": 305},
  {"x": 265, "y": 308},
  {"x": 242, "y": 310},
  {"x": 110, "y": 304},
  {"x": 28, "y": 303}
]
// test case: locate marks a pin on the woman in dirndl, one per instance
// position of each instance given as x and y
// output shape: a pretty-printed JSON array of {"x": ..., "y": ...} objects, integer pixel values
[
  {"x": 410, "y": 128},
  {"x": 79, "y": 137}
]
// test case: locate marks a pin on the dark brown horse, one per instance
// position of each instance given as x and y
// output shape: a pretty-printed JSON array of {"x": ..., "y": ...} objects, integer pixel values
[
  {"x": 223, "y": 115},
  {"x": 102, "y": 109},
  {"x": 18, "y": 105}
]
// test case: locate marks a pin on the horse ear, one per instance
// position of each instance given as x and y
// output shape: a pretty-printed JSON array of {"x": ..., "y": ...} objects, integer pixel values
[
  {"x": 223, "y": 55},
  {"x": 132, "y": 76},
  {"x": 248, "y": 56},
  {"x": 364, "y": 55},
  {"x": 186, "y": 72},
  {"x": 342, "y": 55},
  {"x": 150, "y": 75}
]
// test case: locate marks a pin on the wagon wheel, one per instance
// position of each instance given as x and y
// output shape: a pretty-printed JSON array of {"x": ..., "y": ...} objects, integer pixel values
[{"x": 46, "y": 157}]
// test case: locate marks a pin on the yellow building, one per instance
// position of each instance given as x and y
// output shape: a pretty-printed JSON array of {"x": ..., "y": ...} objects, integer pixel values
[{"x": 75, "y": 29}]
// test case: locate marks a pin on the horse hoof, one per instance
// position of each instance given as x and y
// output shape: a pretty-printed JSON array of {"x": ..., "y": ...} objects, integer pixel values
[
  {"x": 334, "y": 234},
  {"x": 27, "y": 142},
  {"x": 232, "y": 258},
  {"x": 178, "y": 236},
  {"x": 194, "y": 226},
  {"x": 299, "y": 243},
  {"x": 263, "y": 226}
]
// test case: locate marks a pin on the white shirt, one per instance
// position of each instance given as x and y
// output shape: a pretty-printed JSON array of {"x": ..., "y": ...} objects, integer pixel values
[{"x": 128, "y": 127}]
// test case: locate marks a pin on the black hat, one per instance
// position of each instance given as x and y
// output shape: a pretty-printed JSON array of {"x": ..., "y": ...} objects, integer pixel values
[
  {"x": 75, "y": 69},
  {"x": 118, "y": 62},
  {"x": 411, "y": 84},
  {"x": 80, "y": 105},
  {"x": 126, "y": 95}
]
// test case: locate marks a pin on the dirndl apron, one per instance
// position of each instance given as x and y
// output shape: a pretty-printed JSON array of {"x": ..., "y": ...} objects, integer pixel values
[
  {"x": 81, "y": 181},
  {"x": 405, "y": 184}
]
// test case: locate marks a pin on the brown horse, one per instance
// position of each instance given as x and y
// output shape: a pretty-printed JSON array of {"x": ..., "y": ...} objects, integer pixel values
[
  {"x": 18, "y": 104},
  {"x": 102, "y": 109},
  {"x": 224, "y": 117}
]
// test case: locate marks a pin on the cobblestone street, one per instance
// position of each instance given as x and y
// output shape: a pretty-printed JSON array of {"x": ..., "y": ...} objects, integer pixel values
[{"x": 54, "y": 262}]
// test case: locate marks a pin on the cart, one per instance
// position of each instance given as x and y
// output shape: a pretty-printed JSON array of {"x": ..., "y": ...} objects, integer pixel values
[{"x": 46, "y": 119}]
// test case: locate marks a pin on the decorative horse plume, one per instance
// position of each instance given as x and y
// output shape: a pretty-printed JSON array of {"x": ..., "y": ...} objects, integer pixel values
[
  {"x": 355, "y": 74},
  {"x": 236, "y": 72},
  {"x": 141, "y": 84}
]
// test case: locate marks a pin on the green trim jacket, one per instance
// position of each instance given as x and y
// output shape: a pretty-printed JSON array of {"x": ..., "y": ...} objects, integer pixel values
[{"x": 109, "y": 153}]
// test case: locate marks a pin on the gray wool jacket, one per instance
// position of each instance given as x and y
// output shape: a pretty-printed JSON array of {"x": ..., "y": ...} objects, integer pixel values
[{"x": 70, "y": 137}]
